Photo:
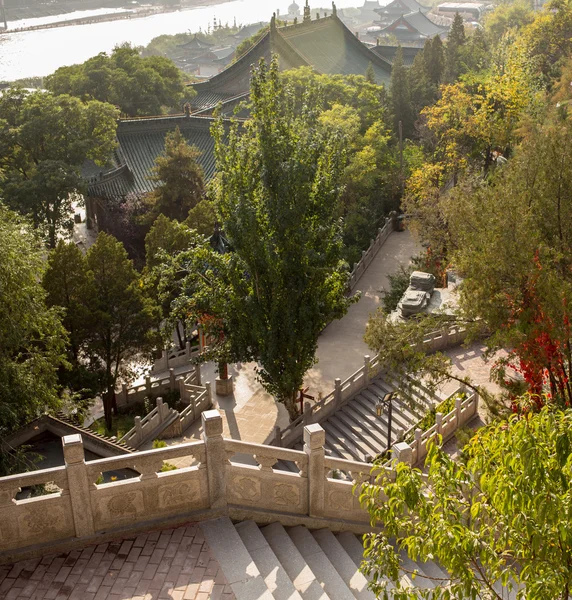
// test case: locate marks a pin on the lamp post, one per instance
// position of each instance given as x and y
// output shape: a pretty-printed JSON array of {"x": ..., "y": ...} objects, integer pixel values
[{"x": 379, "y": 406}]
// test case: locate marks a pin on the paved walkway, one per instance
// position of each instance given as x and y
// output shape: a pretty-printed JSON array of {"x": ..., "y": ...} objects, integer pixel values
[
  {"x": 251, "y": 414},
  {"x": 173, "y": 564}
]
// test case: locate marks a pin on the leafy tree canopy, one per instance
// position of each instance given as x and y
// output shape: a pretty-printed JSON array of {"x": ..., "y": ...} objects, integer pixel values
[
  {"x": 138, "y": 86},
  {"x": 44, "y": 139},
  {"x": 33, "y": 338},
  {"x": 178, "y": 178},
  {"x": 499, "y": 519}
]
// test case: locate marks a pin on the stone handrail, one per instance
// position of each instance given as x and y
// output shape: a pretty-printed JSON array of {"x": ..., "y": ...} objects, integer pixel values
[
  {"x": 211, "y": 485},
  {"x": 445, "y": 426},
  {"x": 359, "y": 380},
  {"x": 369, "y": 254},
  {"x": 145, "y": 428},
  {"x": 175, "y": 357}
]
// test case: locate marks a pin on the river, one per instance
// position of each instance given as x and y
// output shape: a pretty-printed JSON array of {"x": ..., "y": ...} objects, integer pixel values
[{"x": 40, "y": 52}]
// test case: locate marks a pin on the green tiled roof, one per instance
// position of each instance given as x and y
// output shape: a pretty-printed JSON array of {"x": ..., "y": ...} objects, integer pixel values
[
  {"x": 388, "y": 53},
  {"x": 140, "y": 142},
  {"x": 325, "y": 44}
]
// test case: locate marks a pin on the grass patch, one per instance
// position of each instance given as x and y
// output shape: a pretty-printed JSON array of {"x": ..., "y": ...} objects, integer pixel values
[{"x": 121, "y": 423}]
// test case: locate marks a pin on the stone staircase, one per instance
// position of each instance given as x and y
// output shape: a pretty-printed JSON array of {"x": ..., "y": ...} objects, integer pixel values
[
  {"x": 274, "y": 562},
  {"x": 355, "y": 432}
]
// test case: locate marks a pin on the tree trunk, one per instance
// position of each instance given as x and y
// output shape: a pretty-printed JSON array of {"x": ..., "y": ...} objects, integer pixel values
[
  {"x": 292, "y": 407},
  {"x": 223, "y": 370}
]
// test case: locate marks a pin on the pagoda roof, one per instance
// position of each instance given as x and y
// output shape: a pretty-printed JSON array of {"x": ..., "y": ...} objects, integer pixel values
[
  {"x": 388, "y": 53},
  {"x": 414, "y": 24},
  {"x": 140, "y": 142},
  {"x": 401, "y": 7},
  {"x": 325, "y": 44},
  {"x": 196, "y": 44}
]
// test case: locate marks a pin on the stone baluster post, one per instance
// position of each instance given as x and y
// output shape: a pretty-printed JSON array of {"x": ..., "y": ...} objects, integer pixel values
[
  {"x": 198, "y": 374},
  {"x": 78, "y": 485},
  {"x": 439, "y": 423},
  {"x": 337, "y": 391},
  {"x": 138, "y": 431},
  {"x": 183, "y": 391},
  {"x": 314, "y": 440},
  {"x": 160, "y": 409},
  {"x": 419, "y": 443},
  {"x": 124, "y": 394},
  {"x": 148, "y": 384},
  {"x": 458, "y": 413},
  {"x": 277, "y": 436},
  {"x": 366, "y": 369},
  {"x": 172, "y": 382},
  {"x": 210, "y": 394},
  {"x": 188, "y": 350},
  {"x": 307, "y": 415},
  {"x": 216, "y": 458},
  {"x": 402, "y": 452}
]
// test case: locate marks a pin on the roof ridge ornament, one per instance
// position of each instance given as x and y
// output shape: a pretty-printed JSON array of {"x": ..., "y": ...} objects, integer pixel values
[
  {"x": 307, "y": 16},
  {"x": 334, "y": 10}
]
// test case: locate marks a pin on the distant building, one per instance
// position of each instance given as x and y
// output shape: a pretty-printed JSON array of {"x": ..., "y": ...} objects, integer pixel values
[
  {"x": 413, "y": 27},
  {"x": 397, "y": 8},
  {"x": 387, "y": 53},
  {"x": 324, "y": 44},
  {"x": 470, "y": 11}
]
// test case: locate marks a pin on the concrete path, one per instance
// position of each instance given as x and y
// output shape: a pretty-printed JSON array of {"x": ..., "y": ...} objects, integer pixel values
[
  {"x": 341, "y": 347},
  {"x": 251, "y": 414}
]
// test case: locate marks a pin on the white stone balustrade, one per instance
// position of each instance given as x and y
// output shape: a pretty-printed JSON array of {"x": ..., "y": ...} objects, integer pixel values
[{"x": 215, "y": 483}]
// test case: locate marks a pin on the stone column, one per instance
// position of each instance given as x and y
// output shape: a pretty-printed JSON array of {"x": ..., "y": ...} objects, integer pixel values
[
  {"x": 78, "y": 485},
  {"x": 314, "y": 440},
  {"x": 366, "y": 368},
  {"x": 337, "y": 391},
  {"x": 402, "y": 452},
  {"x": 216, "y": 458}
]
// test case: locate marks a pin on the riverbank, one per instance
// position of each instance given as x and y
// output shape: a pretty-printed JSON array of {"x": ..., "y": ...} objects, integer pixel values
[{"x": 135, "y": 12}]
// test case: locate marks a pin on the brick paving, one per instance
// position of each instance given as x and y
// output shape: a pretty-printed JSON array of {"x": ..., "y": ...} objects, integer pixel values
[{"x": 171, "y": 564}]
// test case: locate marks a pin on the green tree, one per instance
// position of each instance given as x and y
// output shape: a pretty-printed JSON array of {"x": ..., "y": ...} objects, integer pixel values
[
  {"x": 70, "y": 286},
  {"x": 421, "y": 90},
  {"x": 455, "y": 41},
  {"x": 124, "y": 317},
  {"x": 138, "y": 86},
  {"x": 433, "y": 58},
  {"x": 44, "y": 140},
  {"x": 507, "y": 16},
  {"x": 278, "y": 190},
  {"x": 179, "y": 179},
  {"x": 165, "y": 240},
  {"x": 400, "y": 95},
  {"x": 33, "y": 338},
  {"x": 202, "y": 218},
  {"x": 497, "y": 520}
]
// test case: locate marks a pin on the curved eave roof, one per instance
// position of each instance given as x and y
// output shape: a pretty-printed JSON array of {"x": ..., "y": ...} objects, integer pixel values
[{"x": 141, "y": 141}]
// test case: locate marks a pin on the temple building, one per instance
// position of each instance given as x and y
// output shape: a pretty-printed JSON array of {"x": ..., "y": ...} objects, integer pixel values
[
  {"x": 397, "y": 8},
  {"x": 388, "y": 53},
  {"x": 325, "y": 44},
  {"x": 414, "y": 27}
]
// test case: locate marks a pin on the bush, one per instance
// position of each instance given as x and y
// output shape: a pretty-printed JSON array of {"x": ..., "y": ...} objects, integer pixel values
[
  {"x": 398, "y": 284},
  {"x": 159, "y": 444}
]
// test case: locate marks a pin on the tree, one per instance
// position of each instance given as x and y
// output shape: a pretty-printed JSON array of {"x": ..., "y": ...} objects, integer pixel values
[
  {"x": 512, "y": 239},
  {"x": 44, "y": 140},
  {"x": 138, "y": 86},
  {"x": 455, "y": 41},
  {"x": 283, "y": 281},
  {"x": 507, "y": 16},
  {"x": 165, "y": 240},
  {"x": 433, "y": 58},
  {"x": 497, "y": 520},
  {"x": 33, "y": 338},
  {"x": 47, "y": 195},
  {"x": 400, "y": 95},
  {"x": 179, "y": 179},
  {"x": 370, "y": 73},
  {"x": 125, "y": 318},
  {"x": 202, "y": 218}
]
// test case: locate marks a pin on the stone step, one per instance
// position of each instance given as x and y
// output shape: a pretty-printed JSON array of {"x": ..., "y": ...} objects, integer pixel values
[
  {"x": 235, "y": 561},
  {"x": 299, "y": 572},
  {"x": 343, "y": 564},
  {"x": 352, "y": 545},
  {"x": 321, "y": 566},
  {"x": 273, "y": 573},
  {"x": 359, "y": 435},
  {"x": 419, "y": 580},
  {"x": 364, "y": 422},
  {"x": 398, "y": 421},
  {"x": 333, "y": 448},
  {"x": 346, "y": 441},
  {"x": 413, "y": 412}
]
